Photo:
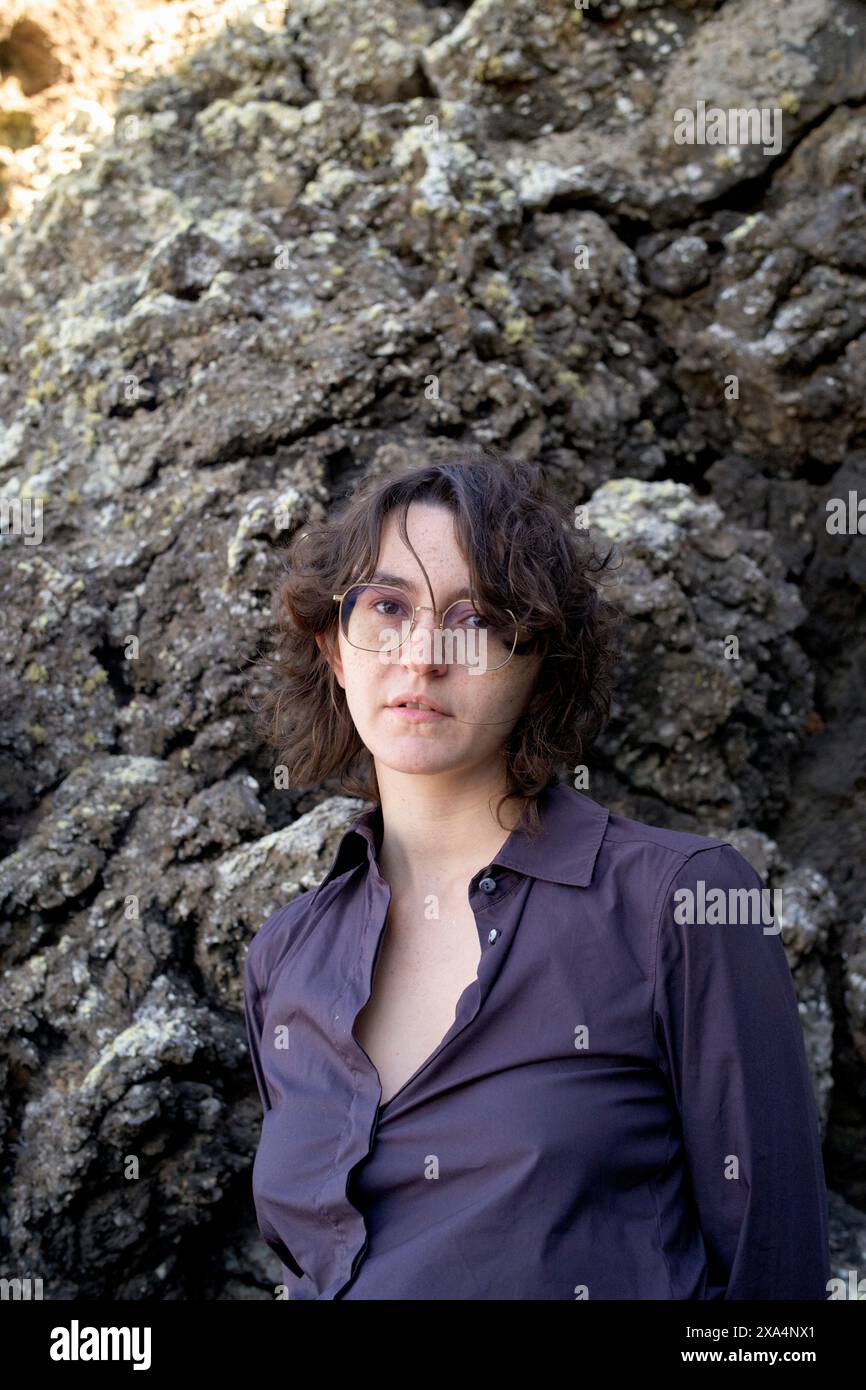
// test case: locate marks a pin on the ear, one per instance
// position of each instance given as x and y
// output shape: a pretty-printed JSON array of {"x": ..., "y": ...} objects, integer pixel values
[{"x": 331, "y": 653}]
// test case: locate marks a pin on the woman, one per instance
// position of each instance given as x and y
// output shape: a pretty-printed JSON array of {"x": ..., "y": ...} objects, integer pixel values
[{"x": 496, "y": 1059}]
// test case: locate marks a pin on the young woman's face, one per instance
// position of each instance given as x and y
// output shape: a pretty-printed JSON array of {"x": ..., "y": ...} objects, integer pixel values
[{"x": 481, "y": 708}]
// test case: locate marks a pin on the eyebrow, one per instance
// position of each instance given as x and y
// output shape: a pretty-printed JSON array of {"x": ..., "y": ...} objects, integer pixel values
[{"x": 380, "y": 577}]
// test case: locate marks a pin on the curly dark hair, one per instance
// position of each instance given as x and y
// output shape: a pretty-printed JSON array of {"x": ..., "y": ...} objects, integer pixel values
[{"x": 523, "y": 552}]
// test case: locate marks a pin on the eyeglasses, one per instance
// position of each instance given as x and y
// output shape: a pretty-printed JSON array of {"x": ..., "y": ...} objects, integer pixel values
[{"x": 380, "y": 617}]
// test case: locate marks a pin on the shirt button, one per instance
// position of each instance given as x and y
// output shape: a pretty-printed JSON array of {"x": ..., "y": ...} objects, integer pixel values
[
  {"x": 487, "y": 885},
  {"x": 492, "y": 934}
]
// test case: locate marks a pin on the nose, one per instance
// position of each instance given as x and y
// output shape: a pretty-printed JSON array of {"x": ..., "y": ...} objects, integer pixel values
[{"x": 419, "y": 650}]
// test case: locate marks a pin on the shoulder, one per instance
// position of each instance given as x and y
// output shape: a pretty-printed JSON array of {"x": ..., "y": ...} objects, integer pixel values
[
  {"x": 273, "y": 939},
  {"x": 586, "y": 844},
  {"x": 694, "y": 901},
  {"x": 655, "y": 861},
  {"x": 668, "y": 846}
]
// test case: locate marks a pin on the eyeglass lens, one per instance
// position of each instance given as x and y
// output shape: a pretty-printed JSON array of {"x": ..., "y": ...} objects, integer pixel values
[{"x": 377, "y": 617}]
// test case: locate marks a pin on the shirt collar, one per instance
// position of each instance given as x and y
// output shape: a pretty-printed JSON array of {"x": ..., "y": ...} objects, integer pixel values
[{"x": 572, "y": 830}]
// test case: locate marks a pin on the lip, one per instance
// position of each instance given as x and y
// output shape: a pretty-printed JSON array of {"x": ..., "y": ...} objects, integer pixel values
[
  {"x": 407, "y": 697},
  {"x": 416, "y": 716},
  {"x": 419, "y": 716}
]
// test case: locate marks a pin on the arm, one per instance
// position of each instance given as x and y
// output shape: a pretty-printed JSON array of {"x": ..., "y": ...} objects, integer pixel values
[
  {"x": 254, "y": 1017},
  {"x": 731, "y": 1045},
  {"x": 292, "y": 1275}
]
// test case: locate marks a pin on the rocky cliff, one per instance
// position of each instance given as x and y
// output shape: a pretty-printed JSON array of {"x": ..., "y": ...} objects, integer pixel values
[{"x": 248, "y": 260}]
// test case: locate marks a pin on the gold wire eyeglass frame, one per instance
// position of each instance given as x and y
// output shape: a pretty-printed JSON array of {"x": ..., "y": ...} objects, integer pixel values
[{"x": 417, "y": 608}]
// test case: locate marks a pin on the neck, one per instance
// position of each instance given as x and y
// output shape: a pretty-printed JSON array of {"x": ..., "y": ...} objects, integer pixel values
[{"x": 436, "y": 838}]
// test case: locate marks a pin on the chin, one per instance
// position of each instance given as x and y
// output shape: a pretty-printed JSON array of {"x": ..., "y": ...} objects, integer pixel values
[{"x": 414, "y": 759}]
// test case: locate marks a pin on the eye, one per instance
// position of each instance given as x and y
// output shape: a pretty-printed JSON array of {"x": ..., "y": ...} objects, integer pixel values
[
  {"x": 467, "y": 615},
  {"x": 387, "y": 603}
]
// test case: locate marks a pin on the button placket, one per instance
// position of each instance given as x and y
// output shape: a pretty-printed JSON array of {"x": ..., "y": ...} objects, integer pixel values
[
  {"x": 488, "y": 884},
  {"x": 337, "y": 1206}
]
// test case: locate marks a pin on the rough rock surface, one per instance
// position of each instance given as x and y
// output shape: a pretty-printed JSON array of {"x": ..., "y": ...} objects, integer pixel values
[{"x": 308, "y": 243}]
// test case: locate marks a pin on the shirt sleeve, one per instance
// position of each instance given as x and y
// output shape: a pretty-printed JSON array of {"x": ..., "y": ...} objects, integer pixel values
[
  {"x": 731, "y": 1045},
  {"x": 254, "y": 1018}
]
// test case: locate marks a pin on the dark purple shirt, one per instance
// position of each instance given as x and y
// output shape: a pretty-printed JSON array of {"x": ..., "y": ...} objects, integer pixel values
[{"x": 621, "y": 1109}]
